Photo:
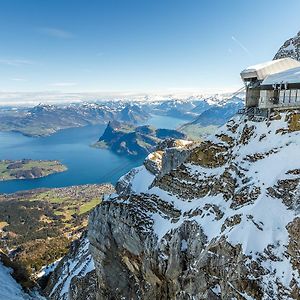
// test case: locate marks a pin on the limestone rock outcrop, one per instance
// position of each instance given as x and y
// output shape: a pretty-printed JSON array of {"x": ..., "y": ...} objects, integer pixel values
[{"x": 220, "y": 223}]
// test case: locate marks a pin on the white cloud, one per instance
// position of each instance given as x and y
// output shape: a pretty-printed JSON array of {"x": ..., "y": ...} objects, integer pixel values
[
  {"x": 34, "y": 98},
  {"x": 63, "y": 84},
  {"x": 243, "y": 47},
  {"x": 56, "y": 97},
  {"x": 56, "y": 32},
  {"x": 18, "y": 79}
]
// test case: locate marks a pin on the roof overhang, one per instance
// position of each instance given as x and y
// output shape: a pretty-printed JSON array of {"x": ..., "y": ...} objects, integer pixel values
[
  {"x": 261, "y": 71},
  {"x": 291, "y": 76}
]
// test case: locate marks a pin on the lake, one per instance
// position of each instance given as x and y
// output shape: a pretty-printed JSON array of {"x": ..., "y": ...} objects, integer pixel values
[
  {"x": 166, "y": 122},
  {"x": 72, "y": 147}
]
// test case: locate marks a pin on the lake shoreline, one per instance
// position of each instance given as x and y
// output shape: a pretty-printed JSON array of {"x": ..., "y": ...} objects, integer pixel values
[
  {"x": 29, "y": 169},
  {"x": 72, "y": 147}
]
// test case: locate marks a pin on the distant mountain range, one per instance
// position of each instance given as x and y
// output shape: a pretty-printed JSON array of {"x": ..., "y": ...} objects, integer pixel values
[
  {"x": 219, "y": 115},
  {"x": 134, "y": 141},
  {"x": 43, "y": 120},
  {"x": 177, "y": 108},
  {"x": 192, "y": 108},
  {"x": 213, "y": 117}
]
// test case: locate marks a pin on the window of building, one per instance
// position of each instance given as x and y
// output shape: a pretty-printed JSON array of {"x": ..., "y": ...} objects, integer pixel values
[
  {"x": 282, "y": 96},
  {"x": 293, "y": 96}
]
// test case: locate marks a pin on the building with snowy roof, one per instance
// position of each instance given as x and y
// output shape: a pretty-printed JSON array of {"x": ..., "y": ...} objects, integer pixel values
[{"x": 273, "y": 85}]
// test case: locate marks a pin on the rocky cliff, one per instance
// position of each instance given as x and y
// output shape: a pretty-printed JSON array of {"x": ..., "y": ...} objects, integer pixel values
[
  {"x": 74, "y": 277},
  {"x": 290, "y": 48},
  {"x": 221, "y": 223}
]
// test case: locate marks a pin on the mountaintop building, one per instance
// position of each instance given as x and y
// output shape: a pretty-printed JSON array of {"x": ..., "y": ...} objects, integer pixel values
[{"x": 273, "y": 85}]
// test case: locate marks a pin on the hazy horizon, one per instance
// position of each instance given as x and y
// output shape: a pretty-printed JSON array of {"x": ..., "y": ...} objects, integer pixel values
[{"x": 95, "y": 49}]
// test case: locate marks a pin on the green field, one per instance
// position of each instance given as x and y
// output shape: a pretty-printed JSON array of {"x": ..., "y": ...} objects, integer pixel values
[{"x": 29, "y": 169}]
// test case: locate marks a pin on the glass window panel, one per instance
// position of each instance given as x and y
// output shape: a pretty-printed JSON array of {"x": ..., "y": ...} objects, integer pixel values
[
  {"x": 293, "y": 96},
  {"x": 281, "y": 96},
  {"x": 287, "y": 98}
]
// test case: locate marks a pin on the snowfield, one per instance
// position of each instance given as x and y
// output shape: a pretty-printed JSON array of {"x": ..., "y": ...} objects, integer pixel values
[{"x": 9, "y": 288}]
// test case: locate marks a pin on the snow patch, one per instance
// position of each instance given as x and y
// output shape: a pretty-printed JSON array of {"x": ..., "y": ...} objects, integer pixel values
[{"x": 9, "y": 288}]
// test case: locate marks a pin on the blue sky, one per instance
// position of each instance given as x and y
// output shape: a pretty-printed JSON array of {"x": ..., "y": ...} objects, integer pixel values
[{"x": 138, "y": 45}]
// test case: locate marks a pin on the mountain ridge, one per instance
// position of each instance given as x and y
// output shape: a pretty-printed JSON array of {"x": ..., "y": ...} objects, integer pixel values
[
  {"x": 200, "y": 229},
  {"x": 45, "y": 119},
  {"x": 124, "y": 138},
  {"x": 290, "y": 48}
]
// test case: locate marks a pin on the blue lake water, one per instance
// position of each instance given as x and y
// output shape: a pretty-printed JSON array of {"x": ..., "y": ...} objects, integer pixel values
[
  {"x": 166, "y": 122},
  {"x": 72, "y": 147}
]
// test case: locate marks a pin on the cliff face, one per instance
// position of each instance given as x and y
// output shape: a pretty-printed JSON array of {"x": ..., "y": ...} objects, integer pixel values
[
  {"x": 219, "y": 222},
  {"x": 74, "y": 277},
  {"x": 290, "y": 48},
  {"x": 222, "y": 225}
]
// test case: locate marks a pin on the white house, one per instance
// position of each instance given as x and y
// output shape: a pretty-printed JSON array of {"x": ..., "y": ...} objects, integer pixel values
[{"x": 273, "y": 85}]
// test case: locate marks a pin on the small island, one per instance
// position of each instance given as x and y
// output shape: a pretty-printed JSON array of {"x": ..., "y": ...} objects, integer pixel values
[{"x": 29, "y": 169}]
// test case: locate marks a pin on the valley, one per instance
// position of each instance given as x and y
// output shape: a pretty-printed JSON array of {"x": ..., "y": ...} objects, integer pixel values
[
  {"x": 38, "y": 226},
  {"x": 40, "y": 215}
]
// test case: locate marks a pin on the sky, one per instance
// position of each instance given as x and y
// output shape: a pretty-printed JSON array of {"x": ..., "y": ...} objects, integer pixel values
[{"x": 137, "y": 46}]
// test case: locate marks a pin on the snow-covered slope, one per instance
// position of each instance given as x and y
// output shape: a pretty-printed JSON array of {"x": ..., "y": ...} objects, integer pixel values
[
  {"x": 222, "y": 225},
  {"x": 290, "y": 48},
  {"x": 9, "y": 288},
  {"x": 74, "y": 277}
]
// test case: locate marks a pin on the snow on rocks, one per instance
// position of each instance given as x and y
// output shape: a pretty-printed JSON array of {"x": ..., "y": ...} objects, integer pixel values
[
  {"x": 74, "y": 270},
  {"x": 221, "y": 221},
  {"x": 231, "y": 195},
  {"x": 10, "y": 289},
  {"x": 46, "y": 270},
  {"x": 290, "y": 48}
]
